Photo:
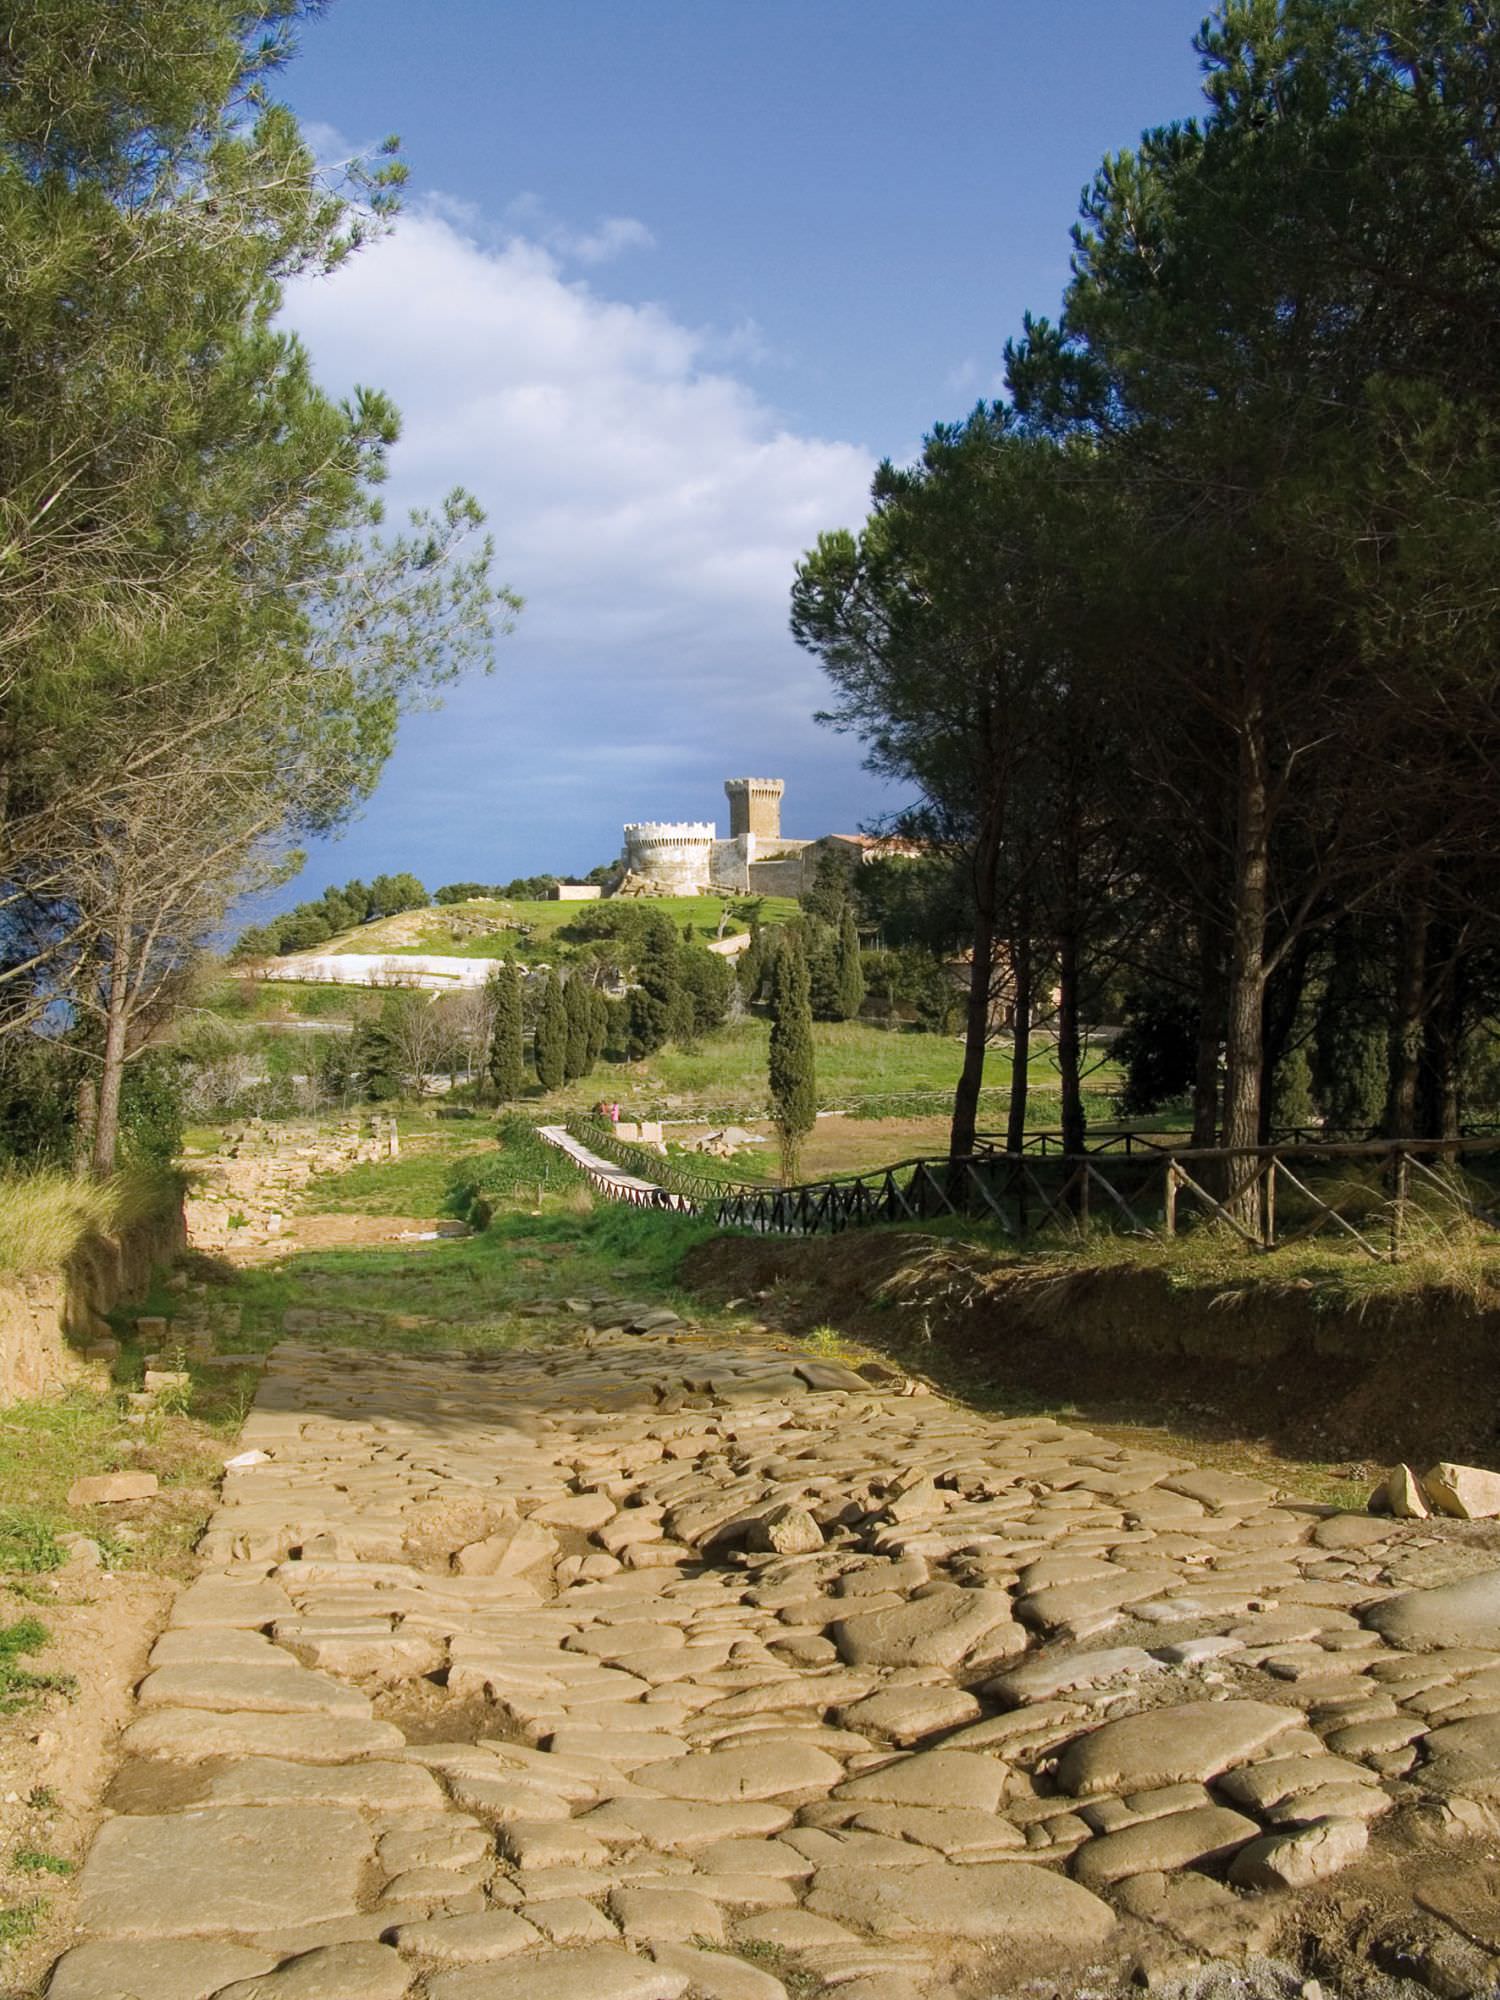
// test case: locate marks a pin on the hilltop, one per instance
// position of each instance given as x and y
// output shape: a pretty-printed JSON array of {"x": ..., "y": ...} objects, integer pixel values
[{"x": 494, "y": 927}]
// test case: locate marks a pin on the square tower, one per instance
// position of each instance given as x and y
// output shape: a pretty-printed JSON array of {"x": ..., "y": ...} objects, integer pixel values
[{"x": 754, "y": 807}]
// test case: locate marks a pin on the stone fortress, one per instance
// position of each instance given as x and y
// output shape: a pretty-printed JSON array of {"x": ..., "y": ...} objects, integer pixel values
[{"x": 688, "y": 858}]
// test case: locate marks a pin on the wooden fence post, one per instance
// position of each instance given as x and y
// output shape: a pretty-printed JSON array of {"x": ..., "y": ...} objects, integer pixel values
[
  {"x": 1271, "y": 1203},
  {"x": 1400, "y": 1179},
  {"x": 1169, "y": 1198}
]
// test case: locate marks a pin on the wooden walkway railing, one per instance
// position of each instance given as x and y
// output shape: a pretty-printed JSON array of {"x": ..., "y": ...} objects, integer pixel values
[{"x": 1370, "y": 1191}]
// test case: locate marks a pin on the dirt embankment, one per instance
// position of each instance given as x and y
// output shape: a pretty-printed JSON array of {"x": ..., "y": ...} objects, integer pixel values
[
  {"x": 1416, "y": 1377},
  {"x": 46, "y": 1316}
]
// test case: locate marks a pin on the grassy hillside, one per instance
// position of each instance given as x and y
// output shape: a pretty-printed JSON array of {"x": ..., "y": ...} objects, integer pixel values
[{"x": 486, "y": 927}]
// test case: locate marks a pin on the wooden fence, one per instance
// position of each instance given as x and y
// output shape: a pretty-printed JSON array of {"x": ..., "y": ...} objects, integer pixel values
[{"x": 1371, "y": 1192}]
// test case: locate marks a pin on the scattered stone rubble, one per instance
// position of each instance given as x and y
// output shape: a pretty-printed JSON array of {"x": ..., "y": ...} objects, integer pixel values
[
  {"x": 1465, "y": 1492},
  {"x": 243, "y": 1193},
  {"x": 641, "y": 1669}
]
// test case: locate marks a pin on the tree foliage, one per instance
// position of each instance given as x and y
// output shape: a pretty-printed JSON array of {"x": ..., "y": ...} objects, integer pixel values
[
  {"x": 653, "y": 1001},
  {"x": 550, "y": 1037},
  {"x": 1187, "y": 647},
  {"x": 580, "y": 1015},
  {"x": 791, "y": 1071},
  {"x": 208, "y": 635},
  {"x": 507, "y": 1060}
]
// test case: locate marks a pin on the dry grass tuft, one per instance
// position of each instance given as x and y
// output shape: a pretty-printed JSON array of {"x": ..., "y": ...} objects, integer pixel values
[{"x": 44, "y": 1217}]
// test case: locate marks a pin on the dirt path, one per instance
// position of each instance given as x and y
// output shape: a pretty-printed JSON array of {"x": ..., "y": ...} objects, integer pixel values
[{"x": 633, "y": 1667}]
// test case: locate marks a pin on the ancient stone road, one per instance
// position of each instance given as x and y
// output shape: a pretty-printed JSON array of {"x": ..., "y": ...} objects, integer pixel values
[{"x": 631, "y": 1668}]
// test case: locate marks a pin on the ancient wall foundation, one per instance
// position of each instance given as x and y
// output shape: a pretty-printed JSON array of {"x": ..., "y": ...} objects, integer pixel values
[{"x": 48, "y": 1318}]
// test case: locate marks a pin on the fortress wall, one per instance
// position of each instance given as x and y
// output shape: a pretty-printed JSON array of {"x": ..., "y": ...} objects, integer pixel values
[
  {"x": 781, "y": 877},
  {"x": 728, "y": 861},
  {"x": 677, "y": 854}
]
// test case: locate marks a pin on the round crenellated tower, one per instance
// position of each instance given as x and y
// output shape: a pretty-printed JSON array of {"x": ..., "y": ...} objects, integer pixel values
[
  {"x": 754, "y": 807},
  {"x": 676, "y": 853}
]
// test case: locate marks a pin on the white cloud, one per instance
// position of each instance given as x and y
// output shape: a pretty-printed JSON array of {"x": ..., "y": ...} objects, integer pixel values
[
  {"x": 966, "y": 377},
  {"x": 611, "y": 236},
  {"x": 614, "y": 236},
  {"x": 646, "y": 502}
]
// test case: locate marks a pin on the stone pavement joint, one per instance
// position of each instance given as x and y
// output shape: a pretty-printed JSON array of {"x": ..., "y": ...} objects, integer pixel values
[{"x": 642, "y": 1669}]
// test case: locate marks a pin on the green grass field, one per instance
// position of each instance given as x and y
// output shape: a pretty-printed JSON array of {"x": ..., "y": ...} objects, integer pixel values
[{"x": 876, "y": 1071}]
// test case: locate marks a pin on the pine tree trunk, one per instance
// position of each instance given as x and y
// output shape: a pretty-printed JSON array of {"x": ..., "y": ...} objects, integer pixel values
[
  {"x": 977, "y": 1021},
  {"x": 1070, "y": 1044},
  {"x": 85, "y": 1123},
  {"x": 1020, "y": 1052},
  {"x": 107, "y": 1126},
  {"x": 1245, "y": 1014},
  {"x": 1408, "y": 1023},
  {"x": 1283, "y": 1005},
  {"x": 1442, "y": 1054},
  {"x": 1211, "y": 1004}
]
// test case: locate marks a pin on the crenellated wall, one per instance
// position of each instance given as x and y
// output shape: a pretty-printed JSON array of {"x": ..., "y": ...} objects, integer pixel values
[{"x": 687, "y": 857}]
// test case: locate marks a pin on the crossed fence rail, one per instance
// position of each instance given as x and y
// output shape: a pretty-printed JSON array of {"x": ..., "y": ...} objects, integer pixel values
[{"x": 1268, "y": 1196}]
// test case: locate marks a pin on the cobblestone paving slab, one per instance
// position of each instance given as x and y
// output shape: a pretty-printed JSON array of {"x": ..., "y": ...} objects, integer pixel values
[{"x": 645, "y": 1669}]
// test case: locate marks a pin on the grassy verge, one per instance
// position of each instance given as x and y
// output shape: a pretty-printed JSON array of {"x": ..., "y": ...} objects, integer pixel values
[
  {"x": 44, "y": 1217},
  {"x": 46, "y": 1445},
  {"x": 419, "y": 1184},
  {"x": 467, "y": 1295}
]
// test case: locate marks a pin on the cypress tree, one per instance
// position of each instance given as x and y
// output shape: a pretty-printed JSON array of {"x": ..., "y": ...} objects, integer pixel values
[
  {"x": 828, "y": 898},
  {"x": 598, "y": 1023},
  {"x": 507, "y": 1051},
  {"x": 551, "y": 1043},
  {"x": 751, "y": 964},
  {"x": 820, "y": 951},
  {"x": 579, "y": 1013},
  {"x": 851, "y": 978},
  {"x": 653, "y": 999},
  {"x": 373, "y": 1060},
  {"x": 851, "y": 975},
  {"x": 791, "y": 1073}
]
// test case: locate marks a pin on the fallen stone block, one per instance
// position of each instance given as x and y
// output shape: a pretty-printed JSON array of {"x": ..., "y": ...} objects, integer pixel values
[
  {"x": 786, "y": 1530},
  {"x": 1297, "y": 1860},
  {"x": 110, "y": 1489},
  {"x": 1467, "y": 1492},
  {"x": 1400, "y": 1493}
]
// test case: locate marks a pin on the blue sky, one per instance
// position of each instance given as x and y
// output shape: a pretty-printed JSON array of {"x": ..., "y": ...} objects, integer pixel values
[{"x": 671, "y": 277}]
